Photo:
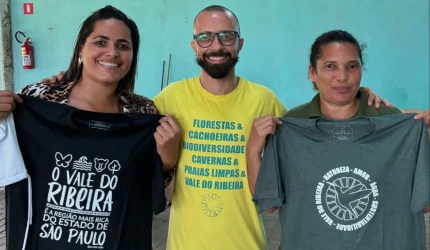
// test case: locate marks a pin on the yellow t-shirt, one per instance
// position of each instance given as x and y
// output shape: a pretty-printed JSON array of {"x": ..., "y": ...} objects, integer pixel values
[{"x": 212, "y": 205}]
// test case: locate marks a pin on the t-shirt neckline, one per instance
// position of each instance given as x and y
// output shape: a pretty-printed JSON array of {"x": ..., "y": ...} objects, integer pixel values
[
  {"x": 344, "y": 124},
  {"x": 232, "y": 94}
]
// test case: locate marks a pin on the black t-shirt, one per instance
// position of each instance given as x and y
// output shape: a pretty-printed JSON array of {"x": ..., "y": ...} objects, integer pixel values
[{"x": 96, "y": 179}]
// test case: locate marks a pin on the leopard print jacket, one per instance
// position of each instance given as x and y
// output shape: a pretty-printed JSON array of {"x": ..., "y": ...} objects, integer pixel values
[{"x": 59, "y": 93}]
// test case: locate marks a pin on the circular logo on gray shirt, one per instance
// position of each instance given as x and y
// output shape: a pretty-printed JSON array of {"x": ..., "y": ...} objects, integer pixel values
[{"x": 346, "y": 198}]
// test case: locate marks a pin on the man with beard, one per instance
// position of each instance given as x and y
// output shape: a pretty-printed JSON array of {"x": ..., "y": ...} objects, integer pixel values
[{"x": 212, "y": 205}]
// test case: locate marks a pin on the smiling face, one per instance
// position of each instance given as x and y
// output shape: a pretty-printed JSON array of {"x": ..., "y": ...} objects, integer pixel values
[
  {"x": 216, "y": 58},
  {"x": 338, "y": 73},
  {"x": 107, "y": 52}
]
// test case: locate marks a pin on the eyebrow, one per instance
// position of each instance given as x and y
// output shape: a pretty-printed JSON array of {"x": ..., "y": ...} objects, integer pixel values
[
  {"x": 107, "y": 38},
  {"x": 334, "y": 62}
]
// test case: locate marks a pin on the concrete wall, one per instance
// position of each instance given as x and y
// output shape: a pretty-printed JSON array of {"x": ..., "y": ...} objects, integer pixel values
[
  {"x": 6, "y": 66},
  {"x": 278, "y": 35}
]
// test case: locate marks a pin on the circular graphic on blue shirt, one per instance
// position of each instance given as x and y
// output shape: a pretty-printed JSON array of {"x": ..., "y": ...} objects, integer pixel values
[
  {"x": 347, "y": 198},
  {"x": 212, "y": 204}
]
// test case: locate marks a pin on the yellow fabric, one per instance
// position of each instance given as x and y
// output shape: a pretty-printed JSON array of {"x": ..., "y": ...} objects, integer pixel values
[
  {"x": 210, "y": 211},
  {"x": 411, "y": 110}
]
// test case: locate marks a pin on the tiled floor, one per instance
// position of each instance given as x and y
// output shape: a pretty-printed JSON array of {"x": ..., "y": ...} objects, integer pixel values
[{"x": 160, "y": 228}]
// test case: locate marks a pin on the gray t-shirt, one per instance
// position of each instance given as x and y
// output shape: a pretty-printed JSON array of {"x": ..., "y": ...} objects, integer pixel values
[{"x": 356, "y": 184}]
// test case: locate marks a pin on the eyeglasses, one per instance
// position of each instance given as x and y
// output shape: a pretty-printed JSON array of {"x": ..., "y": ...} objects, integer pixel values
[{"x": 226, "y": 38}]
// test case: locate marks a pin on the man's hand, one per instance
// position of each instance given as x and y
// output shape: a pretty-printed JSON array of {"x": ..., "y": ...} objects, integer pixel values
[
  {"x": 375, "y": 99},
  {"x": 424, "y": 115},
  {"x": 54, "y": 79},
  {"x": 167, "y": 137},
  {"x": 261, "y": 128},
  {"x": 7, "y": 102}
]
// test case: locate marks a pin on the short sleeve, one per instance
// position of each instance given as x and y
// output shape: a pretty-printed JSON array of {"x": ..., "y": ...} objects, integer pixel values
[
  {"x": 421, "y": 186},
  {"x": 34, "y": 90},
  {"x": 158, "y": 193},
  {"x": 269, "y": 188},
  {"x": 12, "y": 167},
  {"x": 159, "y": 102},
  {"x": 279, "y": 109}
]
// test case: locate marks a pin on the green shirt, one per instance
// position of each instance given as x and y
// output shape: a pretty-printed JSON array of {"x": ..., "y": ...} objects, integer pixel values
[{"x": 312, "y": 109}]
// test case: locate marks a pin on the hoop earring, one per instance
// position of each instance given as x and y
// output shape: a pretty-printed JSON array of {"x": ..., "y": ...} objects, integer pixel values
[{"x": 79, "y": 62}]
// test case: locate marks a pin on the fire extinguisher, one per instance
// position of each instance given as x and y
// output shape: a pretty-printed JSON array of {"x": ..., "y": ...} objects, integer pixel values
[{"x": 27, "y": 54}]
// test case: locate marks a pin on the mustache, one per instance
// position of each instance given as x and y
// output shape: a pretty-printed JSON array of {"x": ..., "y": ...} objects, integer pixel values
[{"x": 217, "y": 53}]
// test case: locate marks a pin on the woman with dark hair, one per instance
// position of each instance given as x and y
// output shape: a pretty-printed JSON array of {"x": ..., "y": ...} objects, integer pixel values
[
  {"x": 335, "y": 69},
  {"x": 101, "y": 79}
]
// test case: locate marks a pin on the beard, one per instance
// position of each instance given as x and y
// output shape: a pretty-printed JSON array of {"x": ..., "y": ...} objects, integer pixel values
[{"x": 220, "y": 70}]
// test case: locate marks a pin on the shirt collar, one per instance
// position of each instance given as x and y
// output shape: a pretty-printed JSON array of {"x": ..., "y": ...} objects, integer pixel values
[
  {"x": 315, "y": 106},
  {"x": 63, "y": 92}
]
